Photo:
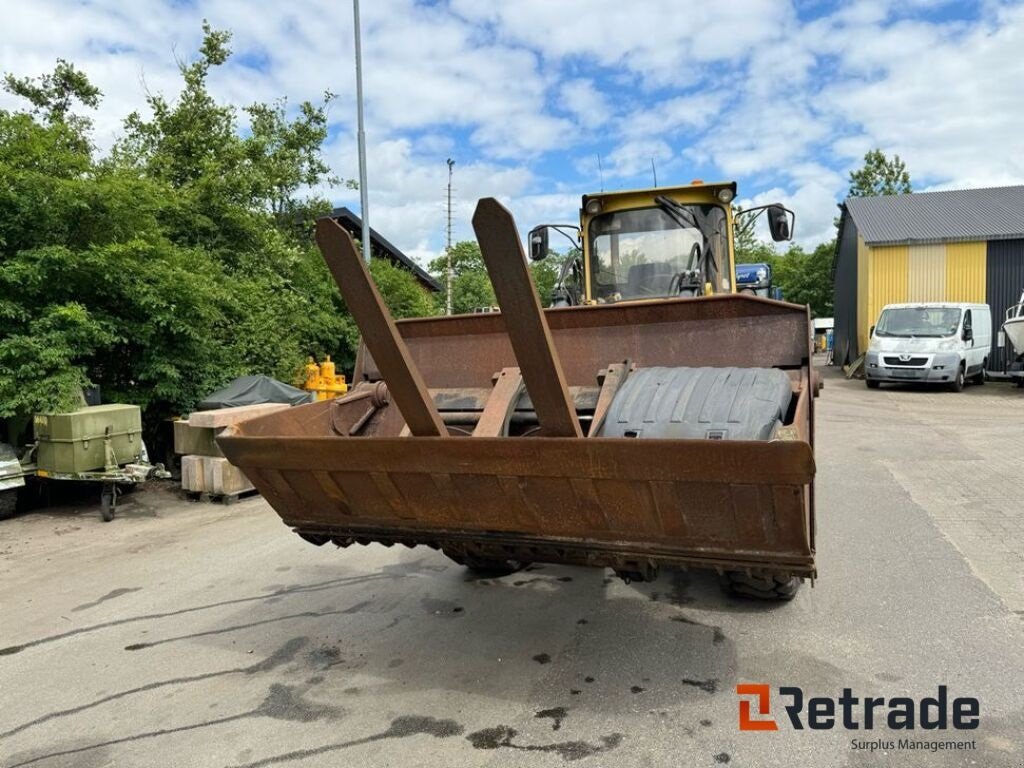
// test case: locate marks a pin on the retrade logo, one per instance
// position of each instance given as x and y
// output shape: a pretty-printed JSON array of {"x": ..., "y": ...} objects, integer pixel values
[
  {"x": 850, "y": 712},
  {"x": 762, "y": 695}
]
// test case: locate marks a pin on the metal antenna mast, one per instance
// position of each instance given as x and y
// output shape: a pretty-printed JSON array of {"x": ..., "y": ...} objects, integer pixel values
[
  {"x": 448, "y": 249},
  {"x": 364, "y": 192}
]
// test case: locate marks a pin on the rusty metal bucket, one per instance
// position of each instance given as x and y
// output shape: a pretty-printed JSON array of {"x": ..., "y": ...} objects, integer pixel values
[{"x": 481, "y": 434}]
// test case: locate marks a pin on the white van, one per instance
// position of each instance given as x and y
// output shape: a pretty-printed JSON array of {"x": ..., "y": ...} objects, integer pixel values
[{"x": 935, "y": 343}]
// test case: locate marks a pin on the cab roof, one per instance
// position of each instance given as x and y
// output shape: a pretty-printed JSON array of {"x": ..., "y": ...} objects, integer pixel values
[{"x": 624, "y": 194}]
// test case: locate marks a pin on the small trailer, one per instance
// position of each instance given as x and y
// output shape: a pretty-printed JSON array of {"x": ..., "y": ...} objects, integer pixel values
[{"x": 97, "y": 444}]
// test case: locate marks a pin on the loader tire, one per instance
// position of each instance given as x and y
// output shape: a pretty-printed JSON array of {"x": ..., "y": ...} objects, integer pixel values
[
  {"x": 486, "y": 567},
  {"x": 761, "y": 587},
  {"x": 8, "y": 503}
]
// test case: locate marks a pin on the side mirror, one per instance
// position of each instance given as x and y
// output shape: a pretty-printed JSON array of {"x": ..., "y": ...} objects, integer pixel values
[
  {"x": 968, "y": 334},
  {"x": 779, "y": 224},
  {"x": 538, "y": 243}
]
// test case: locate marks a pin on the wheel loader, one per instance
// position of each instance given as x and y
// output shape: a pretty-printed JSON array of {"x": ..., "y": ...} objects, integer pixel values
[{"x": 652, "y": 417}]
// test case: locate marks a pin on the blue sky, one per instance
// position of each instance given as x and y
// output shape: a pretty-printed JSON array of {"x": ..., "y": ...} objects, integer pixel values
[{"x": 525, "y": 95}]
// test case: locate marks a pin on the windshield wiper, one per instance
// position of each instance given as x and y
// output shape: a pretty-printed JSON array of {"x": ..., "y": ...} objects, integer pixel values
[
  {"x": 687, "y": 219},
  {"x": 680, "y": 214}
]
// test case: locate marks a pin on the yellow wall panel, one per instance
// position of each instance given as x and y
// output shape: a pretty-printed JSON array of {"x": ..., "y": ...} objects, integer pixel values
[
  {"x": 887, "y": 281},
  {"x": 926, "y": 279},
  {"x": 965, "y": 271}
]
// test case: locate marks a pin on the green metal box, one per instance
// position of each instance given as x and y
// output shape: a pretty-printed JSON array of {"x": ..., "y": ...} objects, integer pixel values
[{"x": 79, "y": 441}]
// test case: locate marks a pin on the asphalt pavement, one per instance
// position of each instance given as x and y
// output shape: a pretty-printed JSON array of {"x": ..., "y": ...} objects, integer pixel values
[{"x": 186, "y": 634}]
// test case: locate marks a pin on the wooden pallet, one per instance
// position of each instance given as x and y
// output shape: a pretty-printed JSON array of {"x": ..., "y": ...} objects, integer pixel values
[{"x": 219, "y": 498}]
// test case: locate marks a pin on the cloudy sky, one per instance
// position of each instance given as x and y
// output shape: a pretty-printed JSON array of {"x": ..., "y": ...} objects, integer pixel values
[{"x": 527, "y": 95}]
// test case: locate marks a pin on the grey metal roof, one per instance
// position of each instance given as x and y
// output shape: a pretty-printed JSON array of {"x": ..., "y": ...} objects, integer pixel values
[
  {"x": 957, "y": 215},
  {"x": 354, "y": 225}
]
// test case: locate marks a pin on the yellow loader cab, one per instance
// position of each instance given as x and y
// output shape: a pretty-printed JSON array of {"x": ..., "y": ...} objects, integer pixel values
[{"x": 646, "y": 244}]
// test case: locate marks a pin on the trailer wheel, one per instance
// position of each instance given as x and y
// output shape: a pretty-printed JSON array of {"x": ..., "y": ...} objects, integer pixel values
[
  {"x": 761, "y": 587},
  {"x": 8, "y": 503},
  {"x": 107, "y": 501}
]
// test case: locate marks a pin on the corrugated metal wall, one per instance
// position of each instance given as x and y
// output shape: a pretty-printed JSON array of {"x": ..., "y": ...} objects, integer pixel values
[
  {"x": 887, "y": 282},
  {"x": 845, "y": 284},
  {"x": 926, "y": 280},
  {"x": 965, "y": 271},
  {"x": 893, "y": 274},
  {"x": 1005, "y": 271},
  {"x": 863, "y": 321}
]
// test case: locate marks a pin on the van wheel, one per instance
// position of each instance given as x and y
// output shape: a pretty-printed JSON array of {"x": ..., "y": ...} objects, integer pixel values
[
  {"x": 979, "y": 377},
  {"x": 774, "y": 587},
  {"x": 957, "y": 384},
  {"x": 872, "y": 383}
]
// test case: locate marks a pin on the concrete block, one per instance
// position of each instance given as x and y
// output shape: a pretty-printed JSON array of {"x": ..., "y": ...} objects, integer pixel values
[
  {"x": 213, "y": 475},
  {"x": 223, "y": 477},
  {"x": 226, "y": 416},
  {"x": 192, "y": 475},
  {"x": 196, "y": 441}
]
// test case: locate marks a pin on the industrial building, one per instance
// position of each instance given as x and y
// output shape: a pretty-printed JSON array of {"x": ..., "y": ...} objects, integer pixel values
[
  {"x": 382, "y": 247},
  {"x": 962, "y": 245}
]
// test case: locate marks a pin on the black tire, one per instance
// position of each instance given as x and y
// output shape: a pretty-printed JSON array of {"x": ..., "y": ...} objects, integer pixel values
[
  {"x": 8, "y": 503},
  {"x": 779, "y": 588},
  {"x": 979, "y": 377},
  {"x": 486, "y": 567},
  {"x": 872, "y": 383},
  {"x": 957, "y": 385},
  {"x": 107, "y": 504}
]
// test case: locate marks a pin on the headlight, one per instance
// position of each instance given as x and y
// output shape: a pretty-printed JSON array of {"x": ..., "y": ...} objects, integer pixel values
[
  {"x": 725, "y": 195},
  {"x": 593, "y": 206},
  {"x": 947, "y": 344}
]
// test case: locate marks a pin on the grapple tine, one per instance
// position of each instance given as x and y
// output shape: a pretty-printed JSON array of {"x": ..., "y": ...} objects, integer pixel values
[
  {"x": 403, "y": 378},
  {"x": 524, "y": 319}
]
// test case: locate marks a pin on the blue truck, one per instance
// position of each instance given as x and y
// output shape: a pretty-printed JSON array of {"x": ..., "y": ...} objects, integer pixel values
[{"x": 757, "y": 279}]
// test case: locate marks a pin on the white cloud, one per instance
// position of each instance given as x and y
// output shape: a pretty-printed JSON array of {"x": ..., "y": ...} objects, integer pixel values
[{"x": 525, "y": 94}]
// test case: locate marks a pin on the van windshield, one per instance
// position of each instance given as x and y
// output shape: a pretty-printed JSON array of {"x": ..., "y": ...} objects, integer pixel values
[{"x": 918, "y": 321}]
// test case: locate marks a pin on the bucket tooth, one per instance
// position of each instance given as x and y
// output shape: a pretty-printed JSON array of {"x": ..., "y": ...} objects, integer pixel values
[
  {"x": 403, "y": 378},
  {"x": 524, "y": 319}
]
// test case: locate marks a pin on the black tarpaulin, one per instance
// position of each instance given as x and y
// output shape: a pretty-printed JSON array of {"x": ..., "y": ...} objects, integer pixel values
[{"x": 251, "y": 390}]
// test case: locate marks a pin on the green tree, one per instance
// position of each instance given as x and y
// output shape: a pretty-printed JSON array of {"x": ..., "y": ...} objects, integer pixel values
[
  {"x": 471, "y": 285},
  {"x": 53, "y": 95},
  {"x": 749, "y": 248},
  {"x": 179, "y": 261},
  {"x": 880, "y": 176},
  {"x": 806, "y": 278}
]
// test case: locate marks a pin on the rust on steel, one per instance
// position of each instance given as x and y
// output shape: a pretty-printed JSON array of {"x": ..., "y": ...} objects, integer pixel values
[
  {"x": 498, "y": 409},
  {"x": 380, "y": 336},
  {"x": 733, "y": 505},
  {"x": 614, "y": 376},
  {"x": 524, "y": 320}
]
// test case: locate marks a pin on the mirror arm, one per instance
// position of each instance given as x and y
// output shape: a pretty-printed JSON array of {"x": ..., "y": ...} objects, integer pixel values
[{"x": 560, "y": 229}]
